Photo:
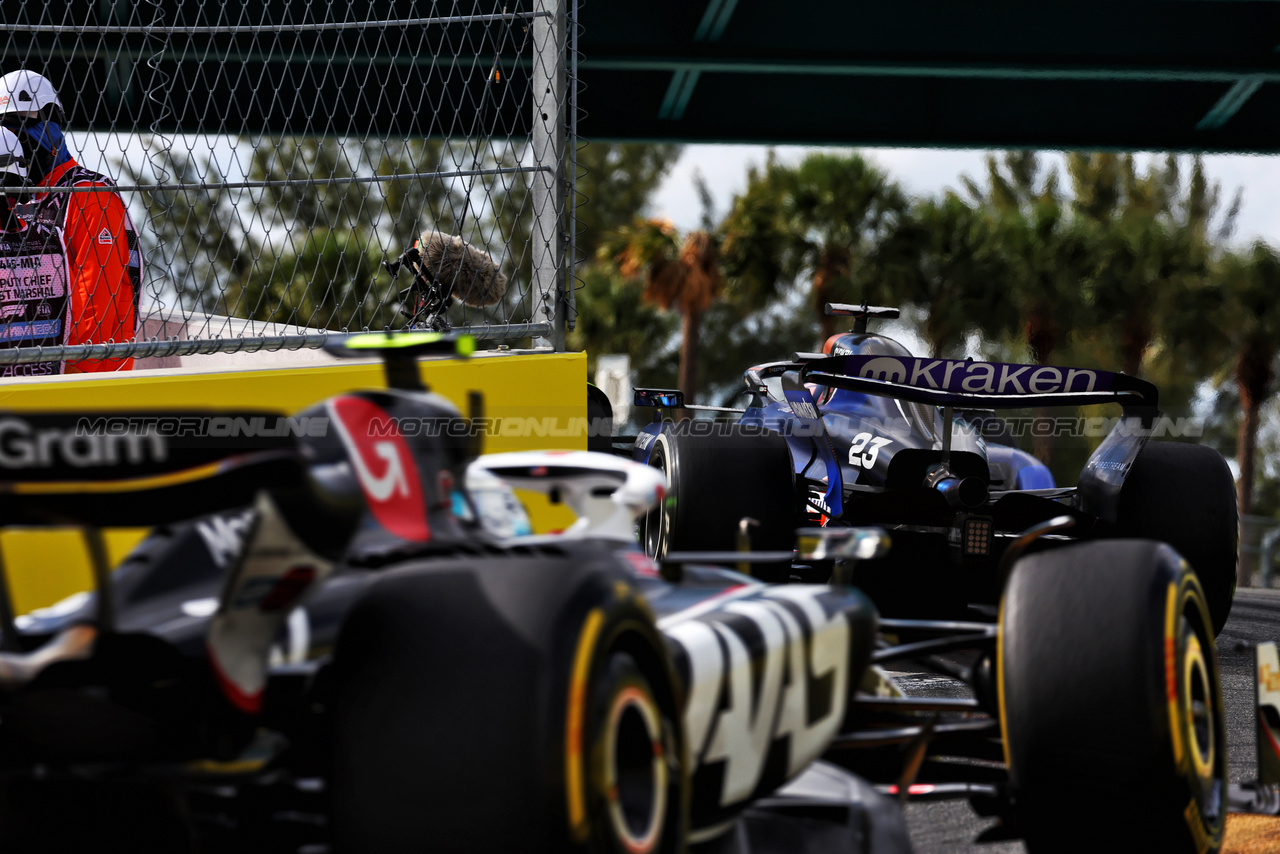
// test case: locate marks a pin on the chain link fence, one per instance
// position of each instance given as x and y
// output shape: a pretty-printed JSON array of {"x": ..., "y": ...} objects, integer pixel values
[{"x": 274, "y": 154}]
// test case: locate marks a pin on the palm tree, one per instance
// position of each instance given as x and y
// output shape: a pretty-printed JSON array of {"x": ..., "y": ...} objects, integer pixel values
[
  {"x": 615, "y": 182},
  {"x": 1045, "y": 250},
  {"x": 614, "y": 318},
  {"x": 1151, "y": 243},
  {"x": 753, "y": 242},
  {"x": 1247, "y": 319},
  {"x": 680, "y": 275},
  {"x": 944, "y": 258},
  {"x": 1141, "y": 269},
  {"x": 822, "y": 219},
  {"x": 1046, "y": 253}
]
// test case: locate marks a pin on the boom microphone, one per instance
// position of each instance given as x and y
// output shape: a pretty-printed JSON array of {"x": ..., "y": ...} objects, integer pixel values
[
  {"x": 444, "y": 269},
  {"x": 473, "y": 275}
]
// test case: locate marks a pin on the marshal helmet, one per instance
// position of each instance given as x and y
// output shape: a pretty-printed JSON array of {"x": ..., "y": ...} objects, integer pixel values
[{"x": 27, "y": 93}]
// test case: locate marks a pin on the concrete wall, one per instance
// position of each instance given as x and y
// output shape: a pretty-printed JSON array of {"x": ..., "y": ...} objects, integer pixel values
[{"x": 216, "y": 326}]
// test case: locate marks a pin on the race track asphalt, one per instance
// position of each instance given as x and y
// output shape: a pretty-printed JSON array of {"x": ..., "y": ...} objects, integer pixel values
[{"x": 945, "y": 828}]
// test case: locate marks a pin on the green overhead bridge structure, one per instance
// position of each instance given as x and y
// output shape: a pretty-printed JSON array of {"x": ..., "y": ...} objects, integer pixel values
[
  {"x": 1194, "y": 75},
  {"x": 1199, "y": 75}
]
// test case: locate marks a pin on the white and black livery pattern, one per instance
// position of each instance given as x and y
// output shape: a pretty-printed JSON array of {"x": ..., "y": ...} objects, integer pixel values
[{"x": 768, "y": 673}]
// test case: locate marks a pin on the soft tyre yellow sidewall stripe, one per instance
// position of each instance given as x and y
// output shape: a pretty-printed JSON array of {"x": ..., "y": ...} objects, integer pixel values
[
  {"x": 1004, "y": 717},
  {"x": 1171, "y": 675},
  {"x": 578, "y": 827}
]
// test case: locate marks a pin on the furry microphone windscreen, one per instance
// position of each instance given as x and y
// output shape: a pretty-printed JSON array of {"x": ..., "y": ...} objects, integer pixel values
[{"x": 476, "y": 279}]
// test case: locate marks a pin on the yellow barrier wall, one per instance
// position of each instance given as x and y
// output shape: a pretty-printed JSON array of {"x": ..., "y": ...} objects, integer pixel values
[{"x": 536, "y": 400}]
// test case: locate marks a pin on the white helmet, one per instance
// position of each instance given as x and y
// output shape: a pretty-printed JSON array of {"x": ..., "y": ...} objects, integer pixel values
[
  {"x": 13, "y": 158},
  {"x": 25, "y": 91}
]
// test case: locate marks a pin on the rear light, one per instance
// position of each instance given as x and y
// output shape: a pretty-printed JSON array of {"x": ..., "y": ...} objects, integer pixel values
[{"x": 973, "y": 536}]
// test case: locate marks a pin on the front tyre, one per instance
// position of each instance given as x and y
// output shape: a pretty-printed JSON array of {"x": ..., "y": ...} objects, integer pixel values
[{"x": 1111, "y": 704}]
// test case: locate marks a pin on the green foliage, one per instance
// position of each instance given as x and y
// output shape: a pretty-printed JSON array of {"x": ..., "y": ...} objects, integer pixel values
[
  {"x": 1151, "y": 243},
  {"x": 1245, "y": 319},
  {"x": 1109, "y": 263},
  {"x": 820, "y": 221},
  {"x": 616, "y": 319},
  {"x": 945, "y": 257},
  {"x": 331, "y": 281},
  {"x": 304, "y": 249},
  {"x": 615, "y": 183},
  {"x": 755, "y": 241},
  {"x": 732, "y": 341}
]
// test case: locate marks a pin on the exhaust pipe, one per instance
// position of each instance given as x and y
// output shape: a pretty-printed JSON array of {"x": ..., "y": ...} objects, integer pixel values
[{"x": 967, "y": 492}]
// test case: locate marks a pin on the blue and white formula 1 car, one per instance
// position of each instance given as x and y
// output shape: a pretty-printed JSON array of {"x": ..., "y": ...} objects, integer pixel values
[{"x": 866, "y": 434}]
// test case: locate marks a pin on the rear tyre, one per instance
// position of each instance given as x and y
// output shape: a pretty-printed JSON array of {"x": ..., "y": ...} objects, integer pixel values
[
  {"x": 1111, "y": 701},
  {"x": 599, "y": 421},
  {"x": 1184, "y": 495},
  {"x": 520, "y": 704},
  {"x": 714, "y": 482}
]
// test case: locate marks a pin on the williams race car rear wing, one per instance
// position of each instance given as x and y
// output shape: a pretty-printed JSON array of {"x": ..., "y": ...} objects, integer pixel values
[
  {"x": 990, "y": 385},
  {"x": 998, "y": 385}
]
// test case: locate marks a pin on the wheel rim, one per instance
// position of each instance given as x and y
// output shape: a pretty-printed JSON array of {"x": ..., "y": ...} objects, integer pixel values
[
  {"x": 1198, "y": 707},
  {"x": 658, "y": 523},
  {"x": 636, "y": 771},
  {"x": 655, "y": 531}
]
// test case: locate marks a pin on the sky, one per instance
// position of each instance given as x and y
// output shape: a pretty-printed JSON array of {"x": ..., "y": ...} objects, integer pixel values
[{"x": 926, "y": 171}]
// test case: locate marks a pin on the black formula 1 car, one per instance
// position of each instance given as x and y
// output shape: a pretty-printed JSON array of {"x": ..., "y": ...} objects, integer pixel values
[
  {"x": 314, "y": 651},
  {"x": 866, "y": 434},
  {"x": 320, "y": 648}
]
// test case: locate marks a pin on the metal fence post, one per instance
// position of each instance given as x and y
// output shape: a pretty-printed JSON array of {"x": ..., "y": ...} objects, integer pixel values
[
  {"x": 548, "y": 142},
  {"x": 571, "y": 167}
]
